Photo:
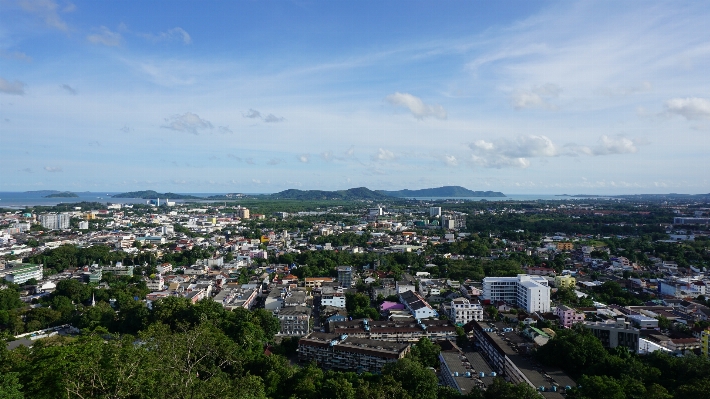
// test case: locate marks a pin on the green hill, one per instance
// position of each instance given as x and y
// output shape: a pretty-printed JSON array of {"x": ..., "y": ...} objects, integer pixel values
[
  {"x": 63, "y": 194},
  {"x": 358, "y": 193},
  {"x": 150, "y": 194},
  {"x": 446, "y": 191}
]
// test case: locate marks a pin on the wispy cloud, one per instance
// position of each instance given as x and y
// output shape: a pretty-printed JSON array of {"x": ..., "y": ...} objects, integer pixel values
[
  {"x": 537, "y": 97},
  {"x": 16, "y": 55},
  {"x": 225, "y": 129},
  {"x": 105, "y": 37},
  {"x": 416, "y": 106},
  {"x": 53, "y": 169},
  {"x": 16, "y": 87},
  {"x": 176, "y": 33},
  {"x": 68, "y": 89},
  {"x": 305, "y": 158},
  {"x": 48, "y": 11},
  {"x": 252, "y": 114},
  {"x": 187, "y": 122},
  {"x": 270, "y": 118}
]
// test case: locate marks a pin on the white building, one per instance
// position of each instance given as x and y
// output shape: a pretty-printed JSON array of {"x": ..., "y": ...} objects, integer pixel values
[
  {"x": 19, "y": 274},
  {"x": 83, "y": 225},
  {"x": 435, "y": 211},
  {"x": 55, "y": 221},
  {"x": 156, "y": 284},
  {"x": 419, "y": 308},
  {"x": 463, "y": 311},
  {"x": 337, "y": 300},
  {"x": 528, "y": 292}
]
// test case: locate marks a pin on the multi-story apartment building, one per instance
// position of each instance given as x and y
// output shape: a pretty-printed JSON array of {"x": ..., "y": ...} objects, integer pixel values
[
  {"x": 19, "y": 274},
  {"x": 242, "y": 213},
  {"x": 568, "y": 316},
  {"x": 155, "y": 284},
  {"x": 463, "y": 311},
  {"x": 615, "y": 333},
  {"x": 336, "y": 299},
  {"x": 528, "y": 292},
  {"x": 119, "y": 270},
  {"x": 317, "y": 282},
  {"x": 235, "y": 296},
  {"x": 294, "y": 320},
  {"x": 342, "y": 352},
  {"x": 565, "y": 281},
  {"x": 55, "y": 221},
  {"x": 396, "y": 331},
  {"x": 345, "y": 276}
]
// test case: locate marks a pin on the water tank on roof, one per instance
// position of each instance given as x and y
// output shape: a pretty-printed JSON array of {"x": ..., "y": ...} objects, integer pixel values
[
  {"x": 554, "y": 388},
  {"x": 567, "y": 387},
  {"x": 468, "y": 374},
  {"x": 493, "y": 374},
  {"x": 481, "y": 374},
  {"x": 456, "y": 374}
]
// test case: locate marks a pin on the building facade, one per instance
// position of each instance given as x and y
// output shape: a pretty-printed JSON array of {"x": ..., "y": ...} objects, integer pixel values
[
  {"x": 528, "y": 292},
  {"x": 568, "y": 316},
  {"x": 463, "y": 311},
  {"x": 345, "y": 276},
  {"x": 20, "y": 274},
  {"x": 616, "y": 333},
  {"x": 417, "y": 306},
  {"x": 341, "y": 352},
  {"x": 55, "y": 221}
]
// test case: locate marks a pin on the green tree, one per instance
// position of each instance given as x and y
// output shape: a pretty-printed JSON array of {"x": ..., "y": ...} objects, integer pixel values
[
  {"x": 426, "y": 352},
  {"x": 416, "y": 379}
]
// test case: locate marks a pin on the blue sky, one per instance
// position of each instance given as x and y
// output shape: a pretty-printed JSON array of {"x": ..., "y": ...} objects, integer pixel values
[{"x": 245, "y": 96}]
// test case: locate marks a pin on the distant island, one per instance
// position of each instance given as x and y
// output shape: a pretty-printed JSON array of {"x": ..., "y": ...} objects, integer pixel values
[
  {"x": 446, "y": 191},
  {"x": 359, "y": 193},
  {"x": 150, "y": 194},
  {"x": 62, "y": 194}
]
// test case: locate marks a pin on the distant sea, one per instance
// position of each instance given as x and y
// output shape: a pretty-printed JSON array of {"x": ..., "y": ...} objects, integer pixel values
[{"x": 21, "y": 199}]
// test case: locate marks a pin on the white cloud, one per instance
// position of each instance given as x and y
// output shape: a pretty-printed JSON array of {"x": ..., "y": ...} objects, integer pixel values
[
  {"x": 537, "y": 97},
  {"x": 451, "y": 160},
  {"x": 305, "y": 158},
  {"x": 16, "y": 87},
  {"x": 606, "y": 146},
  {"x": 383, "y": 155},
  {"x": 52, "y": 169},
  {"x": 69, "y": 89},
  {"x": 690, "y": 108},
  {"x": 187, "y": 122},
  {"x": 516, "y": 153},
  {"x": 48, "y": 11},
  {"x": 416, "y": 106},
  {"x": 105, "y": 37},
  {"x": 274, "y": 161},
  {"x": 176, "y": 33}
]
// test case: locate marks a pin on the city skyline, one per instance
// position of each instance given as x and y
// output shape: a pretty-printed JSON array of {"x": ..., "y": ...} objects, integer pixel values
[{"x": 518, "y": 97}]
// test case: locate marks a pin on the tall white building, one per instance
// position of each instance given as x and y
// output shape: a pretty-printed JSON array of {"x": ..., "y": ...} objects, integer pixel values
[
  {"x": 55, "y": 221},
  {"x": 435, "y": 211},
  {"x": 528, "y": 292}
]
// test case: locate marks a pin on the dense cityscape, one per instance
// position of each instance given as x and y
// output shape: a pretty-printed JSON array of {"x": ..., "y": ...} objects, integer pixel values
[
  {"x": 401, "y": 199},
  {"x": 341, "y": 299}
]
